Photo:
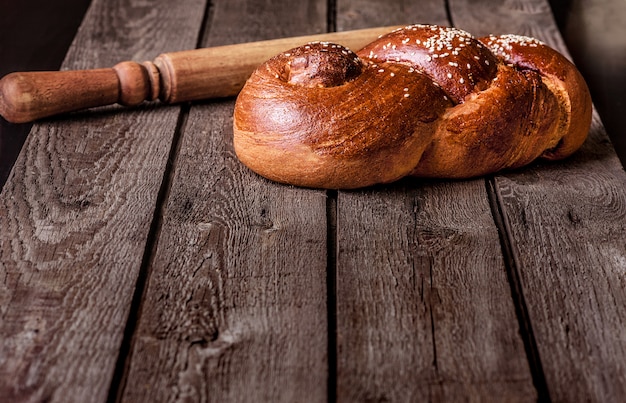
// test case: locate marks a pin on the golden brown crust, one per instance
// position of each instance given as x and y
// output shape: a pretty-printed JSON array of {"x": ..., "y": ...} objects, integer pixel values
[
  {"x": 424, "y": 100},
  {"x": 566, "y": 82}
]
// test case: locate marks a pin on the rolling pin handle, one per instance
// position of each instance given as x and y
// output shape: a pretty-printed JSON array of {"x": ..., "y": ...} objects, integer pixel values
[
  {"x": 29, "y": 96},
  {"x": 136, "y": 83},
  {"x": 172, "y": 77}
]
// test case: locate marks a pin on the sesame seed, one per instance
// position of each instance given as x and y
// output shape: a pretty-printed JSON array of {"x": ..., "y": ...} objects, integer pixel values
[
  {"x": 449, "y": 75},
  {"x": 287, "y": 54},
  {"x": 406, "y": 95},
  {"x": 392, "y": 74},
  {"x": 461, "y": 80},
  {"x": 381, "y": 70},
  {"x": 444, "y": 39},
  {"x": 405, "y": 89}
]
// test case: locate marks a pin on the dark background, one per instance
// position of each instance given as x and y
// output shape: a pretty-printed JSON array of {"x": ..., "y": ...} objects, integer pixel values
[{"x": 35, "y": 35}]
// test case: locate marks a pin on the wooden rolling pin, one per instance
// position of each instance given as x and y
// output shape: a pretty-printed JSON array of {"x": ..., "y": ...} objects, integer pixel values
[{"x": 172, "y": 77}]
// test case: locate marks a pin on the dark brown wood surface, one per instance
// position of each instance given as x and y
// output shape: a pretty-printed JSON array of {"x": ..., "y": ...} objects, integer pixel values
[
  {"x": 235, "y": 307},
  {"x": 75, "y": 216},
  {"x": 140, "y": 261},
  {"x": 424, "y": 307}
]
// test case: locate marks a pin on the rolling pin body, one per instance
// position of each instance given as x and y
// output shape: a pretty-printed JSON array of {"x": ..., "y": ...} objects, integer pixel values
[{"x": 172, "y": 77}]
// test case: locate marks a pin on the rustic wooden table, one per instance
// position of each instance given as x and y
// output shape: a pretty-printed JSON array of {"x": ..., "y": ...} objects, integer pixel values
[{"x": 140, "y": 261}]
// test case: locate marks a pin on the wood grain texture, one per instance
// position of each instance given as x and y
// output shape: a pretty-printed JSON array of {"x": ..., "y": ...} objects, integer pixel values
[
  {"x": 75, "y": 214},
  {"x": 235, "y": 306},
  {"x": 565, "y": 222},
  {"x": 568, "y": 224},
  {"x": 424, "y": 310}
]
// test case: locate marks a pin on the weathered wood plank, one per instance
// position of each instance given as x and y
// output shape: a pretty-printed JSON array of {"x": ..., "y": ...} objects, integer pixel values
[
  {"x": 566, "y": 224},
  {"x": 235, "y": 306},
  {"x": 568, "y": 227},
  {"x": 424, "y": 309},
  {"x": 75, "y": 216}
]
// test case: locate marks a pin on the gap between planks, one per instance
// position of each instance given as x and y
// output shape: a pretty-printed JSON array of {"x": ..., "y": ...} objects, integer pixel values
[
  {"x": 331, "y": 291},
  {"x": 118, "y": 382},
  {"x": 517, "y": 293},
  {"x": 446, "y": 5}
]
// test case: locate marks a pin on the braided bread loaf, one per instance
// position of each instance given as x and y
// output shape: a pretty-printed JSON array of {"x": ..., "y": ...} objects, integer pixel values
[{"x": 423, "y": 100}]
